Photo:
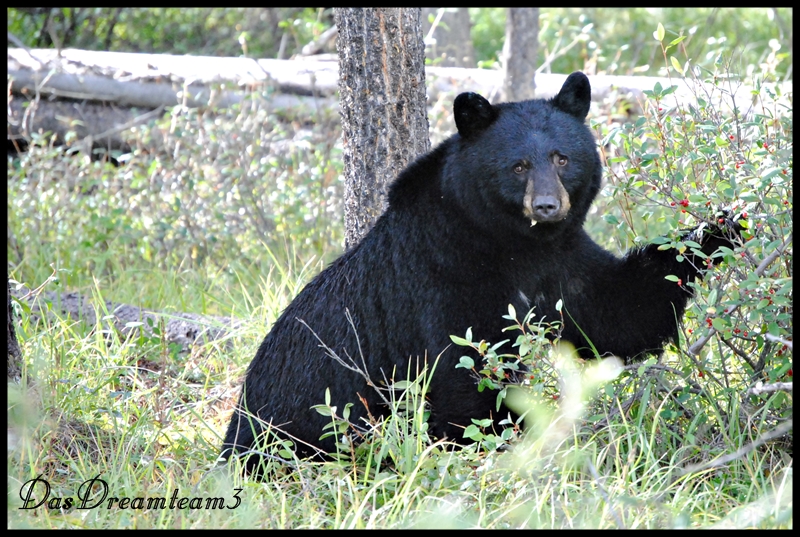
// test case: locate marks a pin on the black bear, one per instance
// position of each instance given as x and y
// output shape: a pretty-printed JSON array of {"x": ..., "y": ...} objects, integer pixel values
[{"x": 492, "y": 216}]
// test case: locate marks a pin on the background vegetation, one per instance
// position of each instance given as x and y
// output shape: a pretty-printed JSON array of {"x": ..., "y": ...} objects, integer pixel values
[
  {"x": 601, "y": 40},
  {"x": 243, "y": 206}
]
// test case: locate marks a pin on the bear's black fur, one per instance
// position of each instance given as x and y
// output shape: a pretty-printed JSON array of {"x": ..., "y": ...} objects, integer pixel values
[{"x": 492, "y": 216}]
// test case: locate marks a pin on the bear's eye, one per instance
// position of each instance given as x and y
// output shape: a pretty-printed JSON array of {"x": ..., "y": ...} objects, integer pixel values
[
  {"x": 519, "y": 168},
  {"x": 559, "y": 160}
]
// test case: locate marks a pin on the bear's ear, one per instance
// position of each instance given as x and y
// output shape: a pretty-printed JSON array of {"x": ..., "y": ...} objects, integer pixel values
[
  {"x": 472, "y": 113},
  {"x": 575, "y": 96}
]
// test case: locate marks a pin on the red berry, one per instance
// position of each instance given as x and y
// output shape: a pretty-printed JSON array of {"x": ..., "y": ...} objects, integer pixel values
[
  {"x": 680, "y": 282},
  {"x": 700, "y": 374},
  {"x": 744, "y": 333},
  {"x": 731, "y": 136},
  {"x": 684, "y": 202},
  {"x": 672, "y": 203},
  {"x": 789, "y": 373},
  {"x": 689, "y": 330},
  {"x": 744, "y": 214}
]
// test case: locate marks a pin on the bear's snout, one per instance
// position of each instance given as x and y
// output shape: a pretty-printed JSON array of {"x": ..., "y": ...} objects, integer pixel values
[
  {"x": 549, "y": 204},
  {"x": 545, "y": 207}
]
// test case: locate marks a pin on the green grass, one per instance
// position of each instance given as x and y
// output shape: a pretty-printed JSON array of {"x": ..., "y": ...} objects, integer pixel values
[{"x": 149, "y": 423}]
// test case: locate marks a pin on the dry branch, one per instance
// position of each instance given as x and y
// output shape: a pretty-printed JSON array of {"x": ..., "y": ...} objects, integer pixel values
[{"x": 760, "y": 388}]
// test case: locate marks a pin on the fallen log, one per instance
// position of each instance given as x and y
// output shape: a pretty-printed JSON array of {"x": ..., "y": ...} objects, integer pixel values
[
  {"x": 121, "y": 80},
  {"x": 185, "y": 329}
]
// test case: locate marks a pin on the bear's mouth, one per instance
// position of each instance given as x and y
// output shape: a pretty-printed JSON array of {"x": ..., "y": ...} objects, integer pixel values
[{"x": 545, "y": 219}]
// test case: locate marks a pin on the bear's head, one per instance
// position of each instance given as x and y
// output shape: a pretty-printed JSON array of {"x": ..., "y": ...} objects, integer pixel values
[{"x": 529, "y": 167}]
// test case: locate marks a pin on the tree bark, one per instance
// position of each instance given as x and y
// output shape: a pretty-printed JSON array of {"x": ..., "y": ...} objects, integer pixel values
[
  {"x": 383, "y": 106},
  {"x": 520, "y": 53},
  {"x": 14, "y": 353},
  {"x": 450, "y": 44}
]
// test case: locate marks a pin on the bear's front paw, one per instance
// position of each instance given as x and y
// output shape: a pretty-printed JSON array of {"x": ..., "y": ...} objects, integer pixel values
[{"x": 725, "y": 230}]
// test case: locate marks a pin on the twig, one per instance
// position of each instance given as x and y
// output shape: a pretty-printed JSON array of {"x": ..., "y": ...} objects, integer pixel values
[
  {"x": 88, "y": 141},
  {"x": 780, "y": 340},
  {"x": 766, "y": 262},
  {"x": 778, "y": 431},
  {"x": 759, "y": 388},
  {"x": 352, "y": 366},
  {"x": 35, "y": 292},
  {"x": 739, "y": 353},
  {"x": 14, "y": 39}
]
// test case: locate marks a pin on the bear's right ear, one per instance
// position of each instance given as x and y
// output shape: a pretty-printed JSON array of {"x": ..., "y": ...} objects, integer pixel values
[{"x": 473, "y": 114}]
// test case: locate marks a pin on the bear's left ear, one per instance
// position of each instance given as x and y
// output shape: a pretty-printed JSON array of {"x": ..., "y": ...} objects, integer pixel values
[
  {"x": 575, "y": 96},
  {"x": 473, "y": 114}
]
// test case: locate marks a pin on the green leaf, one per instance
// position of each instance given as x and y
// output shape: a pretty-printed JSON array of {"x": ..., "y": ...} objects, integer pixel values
[
  {"x": 712, "y": 296},
  {"x": 460, "y": 341},
  {"x": 719, "y": 324},
  {"x": 671, "y": 277},
  {"x": 659, "y": 33},
  {"x": 466, "y": 362},
  {"x": 473, "y": 433},
  {"x": 483, "y": 423},
  {"x": 677, "y": 40},
  {"x": 676, "y": 65},
  {"x": 322, "y": 409}
]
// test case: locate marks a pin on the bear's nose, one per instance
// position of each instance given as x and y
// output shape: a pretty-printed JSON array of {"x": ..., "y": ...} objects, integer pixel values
[{"x": 545, "y": 207}]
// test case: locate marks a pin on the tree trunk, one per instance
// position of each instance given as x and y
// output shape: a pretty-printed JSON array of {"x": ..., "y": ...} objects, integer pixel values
[
  {"x": 383, "y": 107},
  {"x": 519, "y": 53},
  {"x": 451, "y": 41},
  {"x": 14, "y": 353}
]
